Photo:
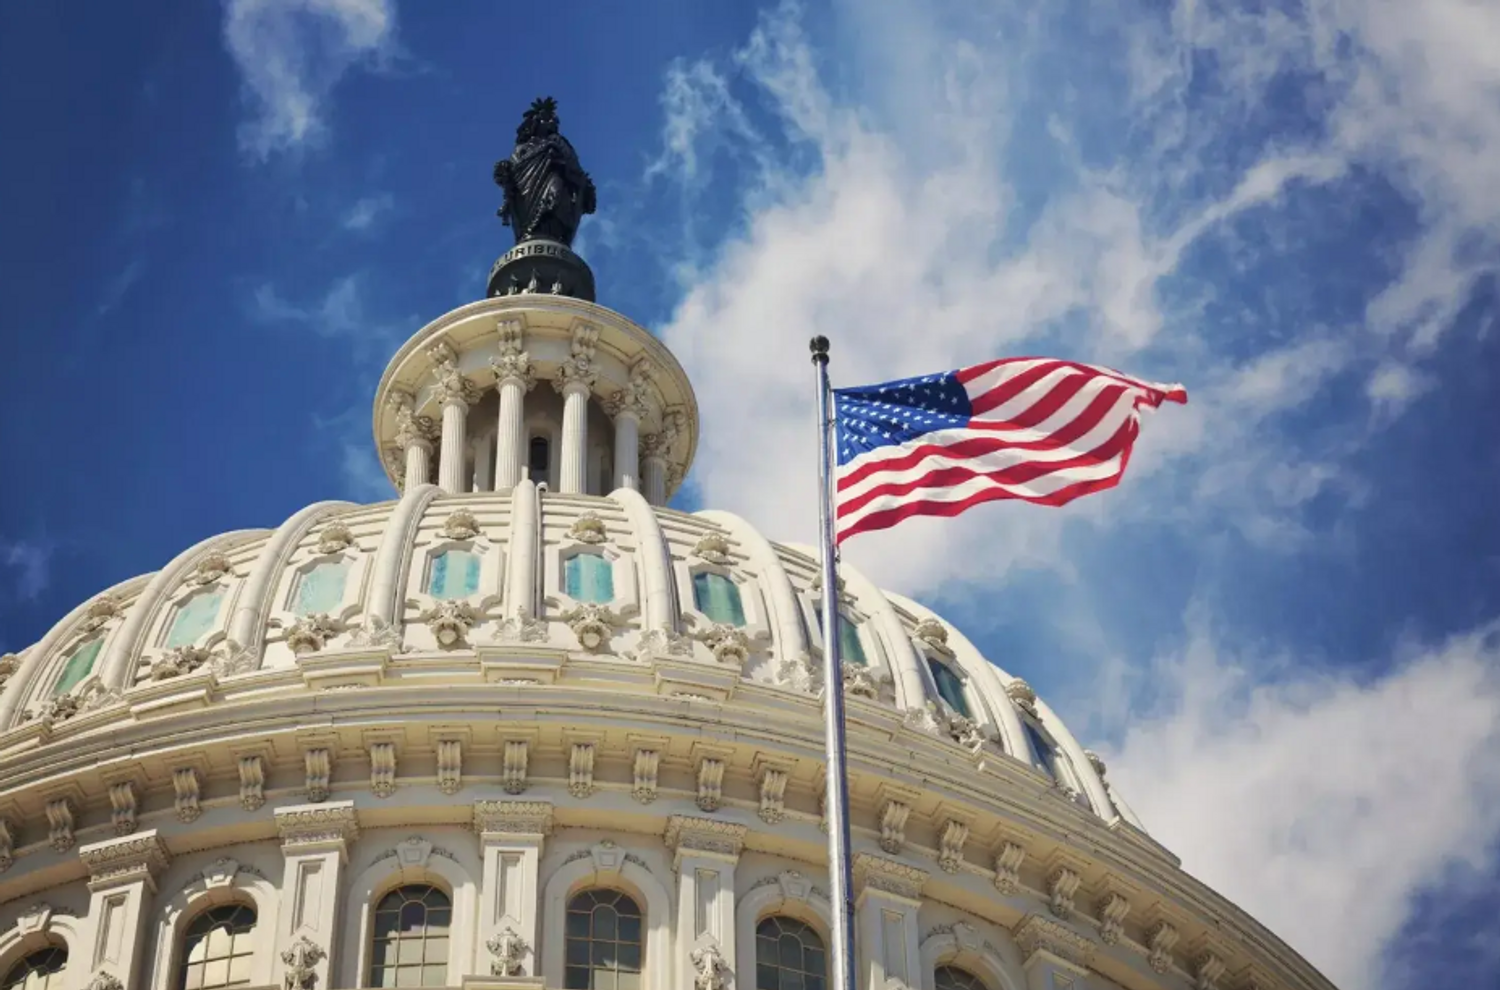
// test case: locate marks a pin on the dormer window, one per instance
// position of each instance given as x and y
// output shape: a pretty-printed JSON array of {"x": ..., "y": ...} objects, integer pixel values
[
  {"x": 194, "y": 618},
  {"x": 718, "y": 597},
  {"x": 589, "y": 577},
  {"x": 79, "y": 665},
  {"x": 455, "y": 574},
  {"x": 950, "y": 687}
]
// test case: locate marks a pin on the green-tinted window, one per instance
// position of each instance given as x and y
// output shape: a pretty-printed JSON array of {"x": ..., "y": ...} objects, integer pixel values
[
  {"x": 851, "y": 650},
  {"x": 455, "y": 574},
  {"x": 789, "y": 955},
  {"x": 603, "y": 942},
  {"x": 79, "y": 665},
  {"x": 950, "y": 687},
  {"x": 320, "y": 589},
  {"x": 717, "y": 597},
  {"x": 589, "y": 578},
  {"x": 194, "y": 618}
]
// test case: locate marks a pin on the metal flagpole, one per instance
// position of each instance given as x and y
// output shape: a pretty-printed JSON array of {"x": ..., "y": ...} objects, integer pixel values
[{"x": 836, "y": 786}]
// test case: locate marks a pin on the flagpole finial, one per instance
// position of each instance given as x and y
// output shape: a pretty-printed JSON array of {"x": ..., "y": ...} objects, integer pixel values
[{"x": 819, "y": 347}]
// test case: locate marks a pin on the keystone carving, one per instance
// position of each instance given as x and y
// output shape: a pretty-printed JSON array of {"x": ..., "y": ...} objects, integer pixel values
[
  {"x": 335, "y": 537},
  {"x": 310, "y": 633},
  {"x": 713, "y": 547},
  {"x": 460, "y": 525},
  {"x": 932, "y": 633},
  {"x": 450, "y": 621},
  {"x": 592, "y": 624},
  {"x": 9, "y": 664},
  {"x": 212, "y": 567},
  {"x": 100, "y": 611},
  {"x": 588, "y": 528},
  {"x": 1021, "y": 693}
]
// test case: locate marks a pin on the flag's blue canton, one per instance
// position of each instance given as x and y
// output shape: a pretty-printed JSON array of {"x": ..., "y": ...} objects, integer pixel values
[{"x": 891, "y": 413}]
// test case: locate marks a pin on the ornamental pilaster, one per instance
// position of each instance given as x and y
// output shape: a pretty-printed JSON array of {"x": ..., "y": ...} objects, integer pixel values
[
  {"x": 705, "y": 854},
  {"x": 315, "y": 841},
  {"x": 511, "y": 837},
  {"x": 887, "y": 897},
  {"x": 122, "y": 884}
]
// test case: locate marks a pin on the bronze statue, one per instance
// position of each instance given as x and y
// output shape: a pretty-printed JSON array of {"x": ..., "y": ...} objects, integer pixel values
[{"x": 547, "y": 193}]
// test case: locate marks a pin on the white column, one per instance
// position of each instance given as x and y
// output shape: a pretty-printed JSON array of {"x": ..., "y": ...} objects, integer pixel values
[
  {"x": 654, "y": 474},
  {"x": 315, "y": 844},
  {"x": 513, "y": 380},
  {"x": 627, "y": 450},
  {"x": 511, "y": 836},
  {"x": 887, "y": 896},
  {"x": 453, "y": 454},
  {"x": 573, "y": 468},
  {"x": 121, "y": 885},
  {"x": 418, "y": 462},
  {"x": 706, "y": 852},
  {"x": 656, "y": 450},
  {"x": 484, "y": 450},
  {"x": 575, "y": 380}
]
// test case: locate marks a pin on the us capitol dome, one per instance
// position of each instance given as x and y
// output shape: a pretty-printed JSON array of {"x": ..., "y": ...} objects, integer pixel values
[{"x": 526, "y": 726}]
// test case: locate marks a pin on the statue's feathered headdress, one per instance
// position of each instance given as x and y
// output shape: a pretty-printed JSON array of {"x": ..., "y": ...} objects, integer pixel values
[{"x": 541, "y": 118}]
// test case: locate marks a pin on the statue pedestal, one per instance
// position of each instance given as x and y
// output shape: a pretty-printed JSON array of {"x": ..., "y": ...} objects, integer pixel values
[{"x": 541, "y": 267}]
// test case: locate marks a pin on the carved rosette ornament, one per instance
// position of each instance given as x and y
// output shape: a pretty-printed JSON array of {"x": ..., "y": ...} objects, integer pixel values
[
  {"x": 450, "y": 622},
  {"x": 592, "y": 624},
  {"x": 588, "y": 528},
  {"x": 509, "y": 950},
  {"x": 301, "y": 959},
  {"x": 310, "y": 633}
]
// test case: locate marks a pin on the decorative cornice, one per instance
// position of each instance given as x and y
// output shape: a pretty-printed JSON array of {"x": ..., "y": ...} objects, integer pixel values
[
  {"x": 886, "y": 875},
  {"x": 1039, "y": 933},
  {"x": 305, "y": 824},
  {"x": 524, "y": 817},
  {"x": 114, "y": 859},
  {"x": 688, "y": 833}
]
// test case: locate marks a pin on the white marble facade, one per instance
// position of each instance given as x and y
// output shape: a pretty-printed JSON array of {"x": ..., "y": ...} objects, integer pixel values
[{"x": 525, "y": 726}]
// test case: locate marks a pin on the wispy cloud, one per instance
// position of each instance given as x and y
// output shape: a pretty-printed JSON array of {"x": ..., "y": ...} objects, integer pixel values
[
  {"x": 30, "y": 564},
  {"x": 116, "y": 288},
  {"x": 292, "y": 53},
  {"x": 366, "y": 211}
]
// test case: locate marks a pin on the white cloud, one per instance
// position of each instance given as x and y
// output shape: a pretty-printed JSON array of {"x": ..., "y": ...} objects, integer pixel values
[
  {"x": 291, "y": 54},
  {"x": 1319, "y": 803},
  {"x": 366, "y": 211}
]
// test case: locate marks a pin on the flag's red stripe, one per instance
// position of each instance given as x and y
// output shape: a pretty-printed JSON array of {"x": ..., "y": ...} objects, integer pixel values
[
  {"x": 1009, "y": 389},
  {"x": 1085, "y": 421},
  {"x": 1158, "y": 396},
  {"x": 1015, "y": 474},
  {"x": 1044, "y": 406}
]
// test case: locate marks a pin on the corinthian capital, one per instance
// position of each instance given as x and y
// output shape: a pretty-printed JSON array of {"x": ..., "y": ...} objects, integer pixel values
[
  {"x": 635, "y": 398},
  {"x": 513, "y": 362},
  {"x": 579, "y": 368},
  {"x": 449, "y": 383},
  {"x": 659, "y": 444}
]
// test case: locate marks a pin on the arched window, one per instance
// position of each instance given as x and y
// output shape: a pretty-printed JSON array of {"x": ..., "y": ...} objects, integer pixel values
[
  {"x": 320, "y": 588},
  {"x": 194, "y": 618},
  {"x": 78, "y": 666},
  {"x": 455, "y": 574},
  {"x": 718, "y": 597},
  {"x": 411, "y": 938},
  {"x": 538, "y": 459},
  {"x": 216, "y": 948},
  {"x": 602, "y": 942},
  {"x": 589, "y": 577},
  {"x": 41, "y": 970},
  {"x": 950, "y": 687},
  {"x": 953, "y": 978},
  {"x": 789, "y": 955}
]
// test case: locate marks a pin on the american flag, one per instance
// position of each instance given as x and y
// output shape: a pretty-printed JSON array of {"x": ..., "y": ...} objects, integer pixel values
[{"x": 1036, "y": 429}]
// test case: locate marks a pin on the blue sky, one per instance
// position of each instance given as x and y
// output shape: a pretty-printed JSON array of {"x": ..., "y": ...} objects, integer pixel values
[{"x": 1283, "y": 631}]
